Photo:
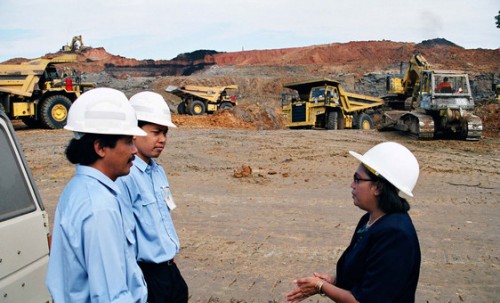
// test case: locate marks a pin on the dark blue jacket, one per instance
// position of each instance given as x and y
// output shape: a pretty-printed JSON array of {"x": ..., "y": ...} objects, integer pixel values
[{"x": 382, "y": 263}]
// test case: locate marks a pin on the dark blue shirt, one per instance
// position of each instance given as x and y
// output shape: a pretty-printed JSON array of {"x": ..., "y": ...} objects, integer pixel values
[{"x": 382, "y": 263}]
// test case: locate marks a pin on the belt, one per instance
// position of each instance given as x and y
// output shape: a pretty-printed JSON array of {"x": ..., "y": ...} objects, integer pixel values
[
  {"x": 151, "y": 266},
  {"x": 169, "y": 262}
]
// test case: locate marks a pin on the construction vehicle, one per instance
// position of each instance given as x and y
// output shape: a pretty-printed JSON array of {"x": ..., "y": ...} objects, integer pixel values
[
  {"x": 36, "y": 93},
  {"x": 197, "y": 100},
  {"x": 76, "y": 45},
  {"x": 425, "y": 110},
  {"x": 401, "y": 89},
  {"x": 323, "y": 103}
]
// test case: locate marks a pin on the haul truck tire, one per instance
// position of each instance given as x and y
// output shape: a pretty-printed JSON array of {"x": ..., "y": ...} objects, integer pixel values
[
  {"x": 332, "y": 120},
  {"x": 54, "y": 111},
  {"x": 226, "y": 105},
  {"x": 181, "y": 108},
  {"x": 365, "y": 122},
  {"x": 30, "y": 122},
  {"x": 197, "y": 108}
]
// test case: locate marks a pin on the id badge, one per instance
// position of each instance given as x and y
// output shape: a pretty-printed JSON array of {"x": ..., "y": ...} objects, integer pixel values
[{"x": 167, "y": 196}]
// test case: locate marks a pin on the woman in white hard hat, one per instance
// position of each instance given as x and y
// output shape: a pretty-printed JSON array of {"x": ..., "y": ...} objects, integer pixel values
[
  {"x": 382, "y": 262},
  {"x": 146, "y": 192},
  {"x": 92, "y": 257}
]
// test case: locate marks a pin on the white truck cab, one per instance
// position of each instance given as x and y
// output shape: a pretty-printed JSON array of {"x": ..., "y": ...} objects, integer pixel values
[{"x": 24, "y": 226}]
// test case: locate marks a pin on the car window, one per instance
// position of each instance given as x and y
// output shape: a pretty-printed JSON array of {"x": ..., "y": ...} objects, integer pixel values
[{"x": 15, "y": 195}]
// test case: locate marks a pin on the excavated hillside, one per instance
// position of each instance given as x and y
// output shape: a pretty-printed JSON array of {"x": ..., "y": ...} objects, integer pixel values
[
  {"x": 362, "y": 67},
  {"x": 353, "y": 57}
]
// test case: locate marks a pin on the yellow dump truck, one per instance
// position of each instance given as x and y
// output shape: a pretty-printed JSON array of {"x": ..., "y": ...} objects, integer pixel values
[
  {"x": 37, "y": 93},
  {"x": 197, "y": 100},
  {"x": 323, "y": 103}
]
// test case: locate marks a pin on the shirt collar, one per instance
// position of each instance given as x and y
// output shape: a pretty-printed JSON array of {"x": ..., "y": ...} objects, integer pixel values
[
  {"x": 142, "y": 165},
  {"x": 98, "y": 175}
]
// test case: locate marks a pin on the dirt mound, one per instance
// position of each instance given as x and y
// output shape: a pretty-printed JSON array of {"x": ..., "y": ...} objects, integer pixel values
[
  {"x": 437, "y": 42},
  {"x": 252, "y": 116},
  {"x": 489, "y": 111}
]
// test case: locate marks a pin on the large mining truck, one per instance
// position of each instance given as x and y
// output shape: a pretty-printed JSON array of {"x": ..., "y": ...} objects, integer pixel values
[
  {"x": 197, "y": 100},
  {"x": 323, "y": 103},
  {"x": 425, "y": 109},
  {"x": 37, "y": 93}
]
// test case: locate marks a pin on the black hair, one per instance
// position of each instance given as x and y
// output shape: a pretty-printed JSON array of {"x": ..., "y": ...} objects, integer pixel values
[
  {"x": 445, "y": 79},
  {"x": 141, "y": 123},
  {"x": 81, "y": 151},
  {"x": 389, "y": 200}
]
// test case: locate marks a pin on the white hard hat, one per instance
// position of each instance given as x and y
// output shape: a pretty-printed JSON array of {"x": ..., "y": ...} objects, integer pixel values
[
  {"x": 393, "y": 162},
  {"x": 103, "y": 111},
  {"x": 151, "y": 107}
]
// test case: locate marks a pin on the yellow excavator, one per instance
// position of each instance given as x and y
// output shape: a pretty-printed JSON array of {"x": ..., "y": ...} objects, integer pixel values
[
  {"x": 425, "y": 108},
  {"x": 75, "y": 46},
  {"x": 401, "y": 89}
]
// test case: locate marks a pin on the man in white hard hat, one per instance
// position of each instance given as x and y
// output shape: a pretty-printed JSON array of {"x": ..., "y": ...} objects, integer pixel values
[
  {"x": 382, "y": 262},
  {"x": 92, "y": 257},
  {"x": 146, "y": 191}
]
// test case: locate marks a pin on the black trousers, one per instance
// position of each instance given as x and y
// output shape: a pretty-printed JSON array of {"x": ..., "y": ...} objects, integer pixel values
[{"x": 165, "y": 283}]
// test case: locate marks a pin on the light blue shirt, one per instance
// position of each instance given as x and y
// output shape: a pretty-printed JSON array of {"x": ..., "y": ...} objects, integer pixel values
[
  {"x": 144, "y": 190},
  {"x": 92, "y": 256}
]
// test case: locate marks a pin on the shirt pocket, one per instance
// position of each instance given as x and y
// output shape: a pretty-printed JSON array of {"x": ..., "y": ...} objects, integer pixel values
[{"x": 149, "y": 213}]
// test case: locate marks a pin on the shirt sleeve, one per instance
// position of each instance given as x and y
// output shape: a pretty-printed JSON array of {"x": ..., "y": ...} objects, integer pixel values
[
  {"x": 388, "y": 266},
  {"x": 104, "y": 242}
]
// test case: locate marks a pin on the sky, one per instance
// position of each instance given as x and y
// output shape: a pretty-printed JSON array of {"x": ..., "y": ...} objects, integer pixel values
[{"x": 163, "y": 29}]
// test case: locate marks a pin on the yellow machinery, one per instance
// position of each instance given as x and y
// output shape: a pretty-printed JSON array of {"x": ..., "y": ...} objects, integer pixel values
[
  {"x": 323, "y": 103},
  {"x": 402, "y": 88},
  {"x": 424, "y": 110},
  {"x": 35, "y": 92},
  {"x": 197, "y": 100},
  {"x": 76, "y": 45}
]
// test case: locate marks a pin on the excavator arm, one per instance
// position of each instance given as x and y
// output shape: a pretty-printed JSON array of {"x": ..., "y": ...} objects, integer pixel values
[{"x": 411, "y": 79}]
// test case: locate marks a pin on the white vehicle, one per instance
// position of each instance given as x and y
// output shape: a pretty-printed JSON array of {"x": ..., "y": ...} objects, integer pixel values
[{"x": 24, "y": 226}]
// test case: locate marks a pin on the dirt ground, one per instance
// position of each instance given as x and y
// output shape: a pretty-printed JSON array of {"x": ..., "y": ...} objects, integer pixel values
[{"x": 245, "y": 239}]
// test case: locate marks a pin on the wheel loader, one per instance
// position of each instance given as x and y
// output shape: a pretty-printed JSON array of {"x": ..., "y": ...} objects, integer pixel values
[
  {"x": 425, "y": 110},
  {"x": 323, "y": 103},
  {"x": 37, "y": 93},
  {"x": 197, "y": 100}
]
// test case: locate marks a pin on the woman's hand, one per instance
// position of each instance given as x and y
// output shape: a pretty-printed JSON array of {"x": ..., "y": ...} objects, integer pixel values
[
  {"x": 306, "y": 287},
  {"x": 325, "y": 277}
]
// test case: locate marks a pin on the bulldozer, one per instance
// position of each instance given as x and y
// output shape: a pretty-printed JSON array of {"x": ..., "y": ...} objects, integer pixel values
[
  {"x": 425, "y": 108},
  {"x": 37, "y": 93},
  {"x": 323, "y": 103},
  {"x": 198, "y": 100}
]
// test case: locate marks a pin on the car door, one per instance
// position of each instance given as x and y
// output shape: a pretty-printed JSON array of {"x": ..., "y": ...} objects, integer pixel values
[{"x": 24, "y": 225}]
